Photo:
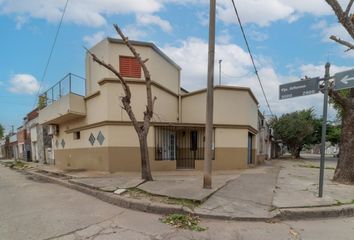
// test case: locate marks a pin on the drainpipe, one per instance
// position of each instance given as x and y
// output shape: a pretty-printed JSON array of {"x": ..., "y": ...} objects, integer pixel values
[{"x": 179, "y": 98}]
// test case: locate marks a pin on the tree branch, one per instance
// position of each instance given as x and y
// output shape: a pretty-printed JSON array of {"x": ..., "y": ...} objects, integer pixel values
[
  {"x": 150, "y": 102},
  {"x": 125, "y": 99},
  {"x": 337, "y": 98},
  {"x": 348, "y": 8},
  {"x": 340, "y": 41},
  {"x": 343, "y": 18}
]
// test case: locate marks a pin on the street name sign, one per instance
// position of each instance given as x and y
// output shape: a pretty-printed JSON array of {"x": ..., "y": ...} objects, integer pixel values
[
  {"x": 343, "y": 80},
  {"x": 299, "y": 88}
]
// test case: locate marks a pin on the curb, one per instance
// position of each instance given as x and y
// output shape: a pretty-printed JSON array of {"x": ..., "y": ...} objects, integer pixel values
[
  {"x": 316, "y": 212},
  {"x": 137, "y": 204},
  {"x": 163, "y": 209}
]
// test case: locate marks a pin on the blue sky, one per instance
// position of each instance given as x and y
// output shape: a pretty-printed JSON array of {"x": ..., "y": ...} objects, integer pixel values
[{"x": 289, "y": 39}]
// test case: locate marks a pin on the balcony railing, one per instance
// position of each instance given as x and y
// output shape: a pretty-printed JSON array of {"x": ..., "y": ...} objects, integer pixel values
[{"x": 71, "y": 83}]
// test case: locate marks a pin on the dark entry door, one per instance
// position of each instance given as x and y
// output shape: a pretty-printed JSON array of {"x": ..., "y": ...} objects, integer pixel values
[
  {"x": 187, "y": 153},
  {"x": 250, "y": 146}
]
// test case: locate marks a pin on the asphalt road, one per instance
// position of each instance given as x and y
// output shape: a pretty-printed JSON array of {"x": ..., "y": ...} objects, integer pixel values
[{"x": 30, "y": 209}]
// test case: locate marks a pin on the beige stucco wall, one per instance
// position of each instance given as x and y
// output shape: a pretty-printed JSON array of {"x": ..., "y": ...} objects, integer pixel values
[
  {"x": 66, "y": 107},
  {"x": 165, "y": 109},
  {"x": 160, "y": 69},
  {"x": 231, "y": 106},
  {"x": 121, "y": 153}
]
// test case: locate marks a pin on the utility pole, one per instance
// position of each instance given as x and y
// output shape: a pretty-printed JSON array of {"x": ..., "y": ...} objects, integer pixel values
[
  {"x": 210, "y": 99},
  {"x": 324, "y": 129},
  {"x": 220, "y": 71}
]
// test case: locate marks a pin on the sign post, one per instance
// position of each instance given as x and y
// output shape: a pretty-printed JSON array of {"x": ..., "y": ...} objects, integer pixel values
[
  {"x": 324, "y": 129},
  {"x": 342, "y": 80}
]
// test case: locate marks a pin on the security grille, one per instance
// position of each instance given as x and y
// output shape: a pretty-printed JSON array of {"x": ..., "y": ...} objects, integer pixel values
[{"x": 184, "y": 144}]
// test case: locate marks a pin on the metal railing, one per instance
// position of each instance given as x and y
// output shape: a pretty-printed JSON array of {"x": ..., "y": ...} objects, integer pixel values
[
  {"x": 70, "y": 83},
  {"x": 182, "y": 143}
]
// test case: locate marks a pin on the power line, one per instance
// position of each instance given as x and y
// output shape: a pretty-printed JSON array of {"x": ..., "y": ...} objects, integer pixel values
[
  {"x": 51, "y": 52},
  {"x": 250, "y": 53}
]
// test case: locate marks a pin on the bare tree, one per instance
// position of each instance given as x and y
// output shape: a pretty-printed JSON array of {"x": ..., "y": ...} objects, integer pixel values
[
  {"x": 345, "y": 167},
  {"x": 141, "y": 128}
]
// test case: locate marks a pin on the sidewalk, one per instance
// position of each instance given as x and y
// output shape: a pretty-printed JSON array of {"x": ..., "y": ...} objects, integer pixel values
[
  {"x": 277, "y": 189},
  {"x": 298, "y": 183}
]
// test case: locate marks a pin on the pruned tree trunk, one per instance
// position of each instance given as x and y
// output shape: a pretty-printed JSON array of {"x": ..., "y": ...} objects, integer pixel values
[
  {"x": 145, "y": 163},
  {"x": 142, "y": 129},
  {"x": 345, "y": 167}
]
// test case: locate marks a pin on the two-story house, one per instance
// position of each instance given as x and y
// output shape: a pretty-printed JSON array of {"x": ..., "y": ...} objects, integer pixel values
[{"x": 91, "y": 130}]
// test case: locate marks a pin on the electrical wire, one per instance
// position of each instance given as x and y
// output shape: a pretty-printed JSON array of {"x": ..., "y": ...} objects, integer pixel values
[
  {"x": 51, "y": 52},
  {"x": 251, "y": 56}
]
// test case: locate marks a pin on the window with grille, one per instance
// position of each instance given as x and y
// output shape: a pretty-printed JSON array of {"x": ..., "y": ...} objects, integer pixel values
[
  {"x": 129, "y": 67},
  {"x": 173, "y": 143}
]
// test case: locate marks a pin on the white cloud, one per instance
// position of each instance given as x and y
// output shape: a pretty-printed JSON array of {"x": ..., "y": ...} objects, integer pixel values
[
  {"x": 264, "y": 12},
  {"x": 88, "y": 12},
  {"x": 93, "y": 39},
  {"x": 93, "y": 13},
  {"x": 312, "y": 70},
  {"x": 192, "y": 57},
  {"x": 224, "y": 37},
  {"x": 331, "y": 29},
  {"x": 24, "y": 83},
  {"x": 237, "y": 70},
  {"x": 258, "y": 35},
  {"x": 134, "y": 32},
  {"x": 20, "y": 21},
  {"x": 148, "y": 19},
  {"x": 254, "y": 11}
]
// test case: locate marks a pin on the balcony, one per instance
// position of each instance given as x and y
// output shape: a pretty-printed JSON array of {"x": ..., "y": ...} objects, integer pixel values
[{"x": 64, "y": 101}]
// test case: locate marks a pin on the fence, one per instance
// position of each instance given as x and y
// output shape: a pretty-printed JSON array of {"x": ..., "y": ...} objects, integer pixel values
[
  {"x": 179, "y": 143},
  {"x": 71, "y": 83}
]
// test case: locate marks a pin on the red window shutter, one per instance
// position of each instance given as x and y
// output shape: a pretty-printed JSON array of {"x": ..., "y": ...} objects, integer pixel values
[{"x": 129, "y": 67}]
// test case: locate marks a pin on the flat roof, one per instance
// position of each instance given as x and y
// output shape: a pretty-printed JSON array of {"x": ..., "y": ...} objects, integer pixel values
[
  {"x": 146, "y": 44},
  {"x": 234, "y": 88}
]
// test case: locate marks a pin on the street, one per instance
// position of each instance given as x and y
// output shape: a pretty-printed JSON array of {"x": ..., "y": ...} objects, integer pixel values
[{"x": 31, "y": 209}]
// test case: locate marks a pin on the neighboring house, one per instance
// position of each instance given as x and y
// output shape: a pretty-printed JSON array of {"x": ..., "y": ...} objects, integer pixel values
[
  {"x": 30, "y": 124},
  {"x": 264, "y": 139},
  {"x": 91, "y": 130},
  {"x": 329, "y": 149},
  {"x": 3, "y": 148},
  {"x": 14, "y": 153},
  {"x": 21, "y": 136},
  {"x": 6, "y": 149}
]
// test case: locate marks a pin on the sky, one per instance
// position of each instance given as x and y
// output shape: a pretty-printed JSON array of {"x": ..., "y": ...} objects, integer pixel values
[{"x": 288, "y": 38}]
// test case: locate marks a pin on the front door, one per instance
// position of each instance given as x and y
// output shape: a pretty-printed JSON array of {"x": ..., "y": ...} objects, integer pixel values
[
  {"x": 250, "y": 146},
  {"x": 187, "y": 153},
  {"x": 169, "y": 145}
]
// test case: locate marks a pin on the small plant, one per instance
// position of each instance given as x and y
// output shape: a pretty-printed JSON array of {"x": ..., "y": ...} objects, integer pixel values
[
  {"x": 183, "y": 221},
  {"x": 138, "y": 193},
  {"x": 353, "y": 201},
  {"x": 313, "y": 166},
  {"x": 42, "y": 101}
]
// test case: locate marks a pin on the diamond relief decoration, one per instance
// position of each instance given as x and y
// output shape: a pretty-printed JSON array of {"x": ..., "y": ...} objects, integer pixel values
[
  {"x": 63, "y": 143},
  {"x": 92, "y": 139},
  {"x": 100, "y": 138}
]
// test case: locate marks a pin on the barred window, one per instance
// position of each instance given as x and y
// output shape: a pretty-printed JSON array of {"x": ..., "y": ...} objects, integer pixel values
[{"x": 179, "y": 143}]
